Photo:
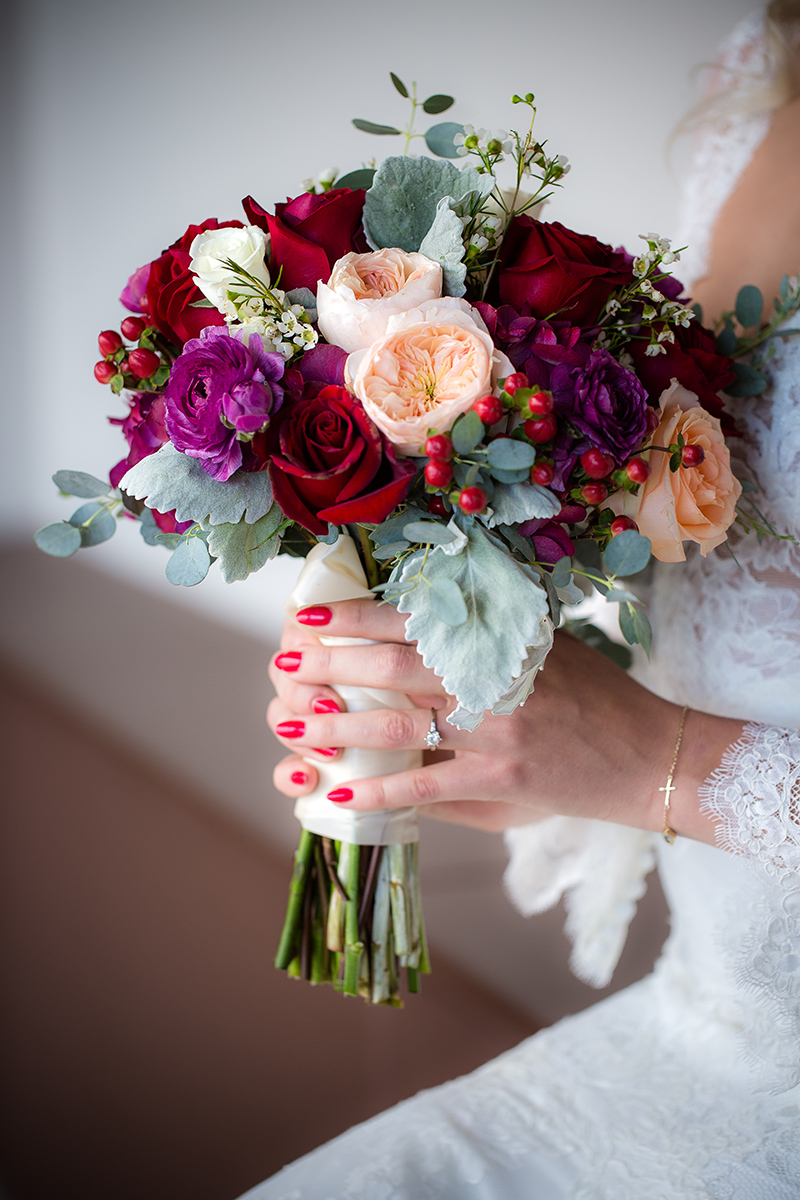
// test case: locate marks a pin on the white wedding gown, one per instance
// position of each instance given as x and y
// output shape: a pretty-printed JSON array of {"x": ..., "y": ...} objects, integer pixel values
[{"x": 686, "y": 1085}]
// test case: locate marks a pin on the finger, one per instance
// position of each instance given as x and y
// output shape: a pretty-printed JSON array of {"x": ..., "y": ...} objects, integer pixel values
[
  {"x": 294, "y": 777},
  {"x": 425, "y": 786},
  {"x": 294, "y": 733},
  {"x": 305, "y": 697},
  {"x": 377, "y": 729},
  {"x": 391, "y": 665},
  {"x": 354, "y": 618}
]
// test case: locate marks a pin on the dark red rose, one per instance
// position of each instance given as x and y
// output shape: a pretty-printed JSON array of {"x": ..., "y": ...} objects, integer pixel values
[
  {"x": 171, "y": 289},
  {"x": 308, "y": 234},
  {"x": 329, "y": 463},
  {"x": 694, "y": 361},
  {"x": 547, "y": 269}
]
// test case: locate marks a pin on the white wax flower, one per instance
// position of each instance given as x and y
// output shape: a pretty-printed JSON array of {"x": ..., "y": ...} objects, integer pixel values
[
  {"x": 365, "y": 290},
  {"x": 246, "y": 246}
]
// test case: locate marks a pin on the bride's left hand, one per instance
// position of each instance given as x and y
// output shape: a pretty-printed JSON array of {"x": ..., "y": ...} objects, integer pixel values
[{"x": 590, "y": 741}]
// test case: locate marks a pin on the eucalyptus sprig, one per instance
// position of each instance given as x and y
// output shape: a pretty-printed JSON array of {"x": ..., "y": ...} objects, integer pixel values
[
  {"x": 743, "y": 329},
  {"x": 438, "y": 138}
]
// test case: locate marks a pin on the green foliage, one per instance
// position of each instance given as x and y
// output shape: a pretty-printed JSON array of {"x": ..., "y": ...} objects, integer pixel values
[
  {"x": 440, "y": 139},
  {"x": 749, "y": 306},
  {"x": 371, "y": 127},
  {"x": 402, "y": 203},
  {"x": 188, "y": 564},
  {"x": 78, "y": 483},
  {"x": 467, "y": 433},
  {"x": 749, "y": 381},
  {"x": 362, "y": 178},
  {"x": 444, "y": 243},
  {"x": 60, "y": 540},
  {"x": 170, "y": 480},
  {"x": 431, "y": 533},
  {"x": 507, "y": 454},
  {"x": 94, "y": 522},
  {"x": 598, "y": 639},
  {"x": 627, "y": 553},
  {"x": 398, "y": 83},
  {"x": 437, "y": 104},
  {"x": 241, "y": 549},
  {"x": 513, "y": 503}
]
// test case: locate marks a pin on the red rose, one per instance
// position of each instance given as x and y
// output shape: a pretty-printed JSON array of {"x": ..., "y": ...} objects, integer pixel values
[
  {"x": 329, "y": 463},
  {"x": 308, "y": 234},
  {"x": 171, "y": 289},
  {"x": 694, "y": 361},
  {"x": 551, "y": 269}
]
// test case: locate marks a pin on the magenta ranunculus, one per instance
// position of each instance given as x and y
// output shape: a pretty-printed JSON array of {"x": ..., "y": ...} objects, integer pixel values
[
  {"x": 550, "y": 539},
  {"x": 222, "y": 391},
  {"x": 533, "y": 346},
  {"x": 603, "y": 402}
]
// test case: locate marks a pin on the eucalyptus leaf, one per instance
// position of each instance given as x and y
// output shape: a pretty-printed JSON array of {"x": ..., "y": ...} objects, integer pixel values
[
  {"x": 644, "y": 632},
  {"x": 516, "y": 539},
  {"x": 466, "y": 433},
  {"x": 749, "y": 306},
  {"x": 748, "y": 382},
  {"x": 305, "y": 297},
  {"x": 513, "y": 503},
  {"x": 447, "y": 602},
  {"x": 431, "y": 533},
  {"x": 241, "y": 549},
  {"x": 570, "y": 594},
  {"x": 506, "y": 454},
  {"x": 78, "y": 483},
  {"x": 402, "y": 203},
  {"x": 440, "y": 139},
  {"x": 188, "y": 564},
  {"x": 507, "y": 615},
  {"x": 562, "y": 572},
  {"x": 697, "y": 309},
  {"x": 444, "y": 244},
  {"x": 389, "y": 551},
  {"x": 391, "y": 530},
  {"x": 616, "y": 595},
  {"x": 170, "y": 480},
  {"x": 627, "y": 553},
  {"x": 371, "y": 127},
  {"x": 398, "y": 83},
  {"x": 510, "y": 477},
  {"x": 437, "y": 104},
  {"x": 95, "y": 522},
  {"x": 362, "y": 178},
  {"x": 587, "y": 552},
  {"x": 726, "y": 341},
  {"x": 60, "y": 540},
  {"x": 627, "y": 626},
  {"x": 148, "y": 528},
  {"x": 330, "y": 537}
]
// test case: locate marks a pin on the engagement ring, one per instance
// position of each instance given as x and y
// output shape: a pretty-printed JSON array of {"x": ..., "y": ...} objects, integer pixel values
[{"x": 433, "y": 737}]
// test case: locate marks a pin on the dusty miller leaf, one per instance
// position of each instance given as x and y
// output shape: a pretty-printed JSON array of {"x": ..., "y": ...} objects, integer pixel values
[
  {"x": 170, "y": 480},
  {"x": 402, "y": 203},
  {"x": 478, "y": 660},
  {"x": 241, "y": 549},
  {"x": 514, "y": 503},
  {"x": 444, "y": 243}
]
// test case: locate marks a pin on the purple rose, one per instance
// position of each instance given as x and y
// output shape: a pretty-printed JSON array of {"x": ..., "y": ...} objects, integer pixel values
[
  {"x": 603, "y": 402},
  {"x": 221, "y": 392}
]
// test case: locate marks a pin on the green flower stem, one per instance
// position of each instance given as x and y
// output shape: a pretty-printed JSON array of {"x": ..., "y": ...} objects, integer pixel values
[
  {"x": 397, "y": 882},
  {"x": 352, "y": 946},
  {"x": 287, "y": 948},
  {"x": 382, "y": 991},
  {"x": 371, "y": 567}
]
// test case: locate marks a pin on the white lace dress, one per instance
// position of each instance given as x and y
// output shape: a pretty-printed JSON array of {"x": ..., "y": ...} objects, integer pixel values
[{"x": 686, "y": 1085}]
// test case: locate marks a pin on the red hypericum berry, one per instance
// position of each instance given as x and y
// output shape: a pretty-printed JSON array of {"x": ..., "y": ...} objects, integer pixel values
[
  {"x": 543, "y": 430},
  {"x": 438, "y": 474},
  {"x": 437, "y": 506},
  {"x": 440, "y": 447},
  {"x": 489, "y": 409},
  {"x": 692, "y": 456},
  {"x": 109, "y": 342},
  {"x": 133, "y": 328},
  {"x": 104, "y": 371},
  {"x": 143, "y": 363},
  {"x": 597, "y": 464},
  {"x": 623, "y": 523},
  {"x": 473, "y": 500},
  {"x": 517, "y": 380},
  {"x": 637, "y": 470},
  {"x": 540, "y": 404},
  {"x": 594, "y": 493},
  {"x": 542, "y": 473}
]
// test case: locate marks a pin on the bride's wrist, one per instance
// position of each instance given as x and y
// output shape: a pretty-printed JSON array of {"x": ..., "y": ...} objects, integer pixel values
[{"x": 705, "y": 740}]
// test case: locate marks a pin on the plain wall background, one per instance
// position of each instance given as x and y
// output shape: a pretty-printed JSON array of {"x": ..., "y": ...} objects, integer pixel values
[{"x": 128, "y": 121}]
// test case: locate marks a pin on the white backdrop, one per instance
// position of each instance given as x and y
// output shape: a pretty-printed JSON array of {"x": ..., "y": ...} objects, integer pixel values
[{"x": 131, "y": 120}]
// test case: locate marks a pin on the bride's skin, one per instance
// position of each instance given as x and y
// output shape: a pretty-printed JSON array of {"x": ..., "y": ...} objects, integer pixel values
[{"x": 590, "y": 742}]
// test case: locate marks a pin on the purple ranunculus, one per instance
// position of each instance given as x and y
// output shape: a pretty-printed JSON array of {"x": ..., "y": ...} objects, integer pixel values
[
  {"x": 533, "y": 346},
  {"x": 605, "y": 403},
  {"x": 221, "y": 392},
  {"x": 550, "y": 539}
]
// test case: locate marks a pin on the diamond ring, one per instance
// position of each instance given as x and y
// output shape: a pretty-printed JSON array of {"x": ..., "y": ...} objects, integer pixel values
[{"x": 433, "y": 737}]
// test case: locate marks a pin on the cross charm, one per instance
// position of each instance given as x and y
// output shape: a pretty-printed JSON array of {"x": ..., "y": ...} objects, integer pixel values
[
  {"x": 668, "y": 833},
  {"x": 667, "y": 788}
]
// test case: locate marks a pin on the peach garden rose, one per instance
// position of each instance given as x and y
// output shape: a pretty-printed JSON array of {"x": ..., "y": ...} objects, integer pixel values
[
  {"x": 365, "y": 290},
  {"x": 432, "y": 364},
  {"x": 695, "y": 504}
]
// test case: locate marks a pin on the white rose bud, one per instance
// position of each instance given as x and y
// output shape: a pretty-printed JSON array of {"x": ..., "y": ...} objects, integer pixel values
[
  {"x": 246, "y": 247},
  {"x": 366, "y": 290}
]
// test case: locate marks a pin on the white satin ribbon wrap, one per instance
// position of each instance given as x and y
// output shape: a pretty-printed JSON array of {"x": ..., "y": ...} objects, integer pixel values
[{"x": 335, "y": 573}]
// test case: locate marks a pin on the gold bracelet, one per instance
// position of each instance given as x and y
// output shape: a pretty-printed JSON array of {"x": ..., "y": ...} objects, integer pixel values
[{"x": 668, "y": 833}]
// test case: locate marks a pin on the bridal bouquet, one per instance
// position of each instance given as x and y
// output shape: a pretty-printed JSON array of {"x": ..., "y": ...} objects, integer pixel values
[{"x": 445, "y": 403}]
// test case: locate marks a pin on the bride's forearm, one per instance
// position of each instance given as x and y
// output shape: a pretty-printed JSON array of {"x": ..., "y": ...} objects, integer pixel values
[{"x": 705, "y": 741}]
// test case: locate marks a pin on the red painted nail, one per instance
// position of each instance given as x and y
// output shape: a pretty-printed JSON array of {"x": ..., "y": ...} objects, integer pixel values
[
  {"x": 318, "y": 614},
  {"x": 328, "y": 751},
  {"x": 290, "y": 729},
  {"x": 324, "y": 705},
  {"x": 299, "y": 777},
  {"x": 339, "y": 795},
  {"x": 289, "y": 661}
]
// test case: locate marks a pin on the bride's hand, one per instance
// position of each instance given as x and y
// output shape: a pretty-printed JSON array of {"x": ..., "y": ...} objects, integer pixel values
[{"x": 590, "y": 742}]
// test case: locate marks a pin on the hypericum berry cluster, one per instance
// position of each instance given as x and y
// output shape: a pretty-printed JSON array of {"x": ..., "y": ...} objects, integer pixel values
[
  {"x": 439, "y": 476},
  {"x": 144, "y": 367}
]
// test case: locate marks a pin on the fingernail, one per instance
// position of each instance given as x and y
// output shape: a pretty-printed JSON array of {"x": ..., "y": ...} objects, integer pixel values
[
  {"x": 299, "y": 777},
  {"x": 290, "y": 729},
  {"x": 318, "y": 614},
  {"x": 328, "y": 751},
  {"x": 289, "y": 661},
  {"x": 324, "y": 705},
  {"x": 339, "y": 795}
]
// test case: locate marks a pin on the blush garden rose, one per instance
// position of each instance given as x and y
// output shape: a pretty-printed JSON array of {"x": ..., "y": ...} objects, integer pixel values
[{"x": 365, "y": 290}]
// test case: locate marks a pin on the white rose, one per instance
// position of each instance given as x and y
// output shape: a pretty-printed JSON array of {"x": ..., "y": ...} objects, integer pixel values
[
  {"x": 247, "y": 247},
  {"x": 365, "y": 290}
]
